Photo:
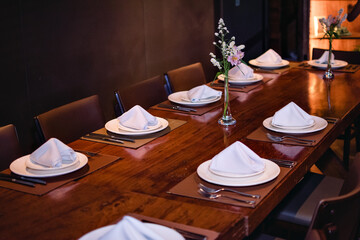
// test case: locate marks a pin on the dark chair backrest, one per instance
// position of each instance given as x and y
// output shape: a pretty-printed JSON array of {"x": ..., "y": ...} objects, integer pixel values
[
  {"x": 145, "y": 93},
  {"x": 71, "y": 121},
  {"x": 185, "y": 78},
  {"x": 9, "y": 146},
  {"x": 348, "y": 56},
  {"x": 339, "y": 217}
]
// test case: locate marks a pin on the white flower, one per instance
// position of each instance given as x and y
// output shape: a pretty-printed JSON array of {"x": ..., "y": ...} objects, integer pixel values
[
  {"x": 216, "y": 34},
  {"x": 212, "y": 55}
]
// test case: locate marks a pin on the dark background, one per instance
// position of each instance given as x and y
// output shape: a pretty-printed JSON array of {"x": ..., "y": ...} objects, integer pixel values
[{"x": 58, "y": 51}]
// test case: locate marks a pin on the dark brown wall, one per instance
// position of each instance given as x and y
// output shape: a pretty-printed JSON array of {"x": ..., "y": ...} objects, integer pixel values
[{"x": 55, "y": 52}]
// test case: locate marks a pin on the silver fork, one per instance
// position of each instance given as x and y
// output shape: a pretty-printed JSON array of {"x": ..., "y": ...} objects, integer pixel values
[
  {"x": 213, "y": 190},
  {"x": 215, "y": 196},
  {"x": 290, "y": 138}
]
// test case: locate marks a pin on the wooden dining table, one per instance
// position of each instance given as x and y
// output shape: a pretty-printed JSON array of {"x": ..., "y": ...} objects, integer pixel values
[{"x": 140, "y": 180}]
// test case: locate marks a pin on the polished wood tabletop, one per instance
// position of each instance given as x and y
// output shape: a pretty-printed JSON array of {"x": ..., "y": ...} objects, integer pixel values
[{"x": 139, "y": 181}]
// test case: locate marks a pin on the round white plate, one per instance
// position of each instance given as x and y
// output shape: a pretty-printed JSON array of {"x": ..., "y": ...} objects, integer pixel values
[
  {"x": 269, "y": 66},
  {"x": 178, "y": 97},
  {"x": 243, "y": 81},
  {"x": 19, "y": 167},
  {"x": 234, "y": 175},
  {"x": 164, "y": 232},
  {"x": 150, "y": 128},
  {"x": 320, "y": 124},
  {"x": 292, "y": 128},
  {"x": 337, "y": 64},
  {"x": 39, "y": 167},
  {"x": 113, "y": 126},
  {"x": 272, "y": 170}
]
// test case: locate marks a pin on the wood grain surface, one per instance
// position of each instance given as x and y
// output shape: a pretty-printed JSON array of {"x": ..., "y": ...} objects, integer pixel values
[{"x": 140, "y": 181}]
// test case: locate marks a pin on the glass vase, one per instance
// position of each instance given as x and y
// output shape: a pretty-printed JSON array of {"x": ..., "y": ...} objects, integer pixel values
[
  {"x": 328, "y": 75},
  {"x": 226, "y": 118}
]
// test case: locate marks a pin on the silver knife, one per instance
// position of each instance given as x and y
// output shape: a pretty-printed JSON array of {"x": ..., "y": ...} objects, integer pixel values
[
  {"x": 28, "y": 179},
  {"x": 174, "y": 107},
  {"x": 112, "y": 137},
  {"x": 14, "y": 180},
  {"x": 108, "y": 139}
]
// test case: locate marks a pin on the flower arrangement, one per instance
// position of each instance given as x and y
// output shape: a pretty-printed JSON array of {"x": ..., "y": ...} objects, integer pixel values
[
  {"x": 231, "y": 55},
  {"x": 330, "y": 26}
]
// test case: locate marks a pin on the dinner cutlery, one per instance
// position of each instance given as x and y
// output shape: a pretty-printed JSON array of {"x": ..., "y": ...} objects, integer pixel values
[
  {"x": 175, "y": 107},
  {"x": 217, "y": 195},
  {"x": 213, "y": 190},
  {"x": 28, "y": 179},
  {"x": 91, "y": 154},
  {"x": 14, "y": 180},
  {"x": 112, "y": 137},
  {"x": 331, "y": 119},
  {"x": 289, "y": 138},
  {"x": 107, "y": 139},
  {"x": 283, "y": 163}
]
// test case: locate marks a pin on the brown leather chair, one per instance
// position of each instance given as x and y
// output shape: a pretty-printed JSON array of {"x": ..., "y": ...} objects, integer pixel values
[
  {"x": 331, "y": 217},
  {"x": 185, "y": 78},
  {"x": 10, "y": 148},
  {"x": 71, "y": 121},
  {"x": 352, "y": 57},
  {"x": 145, "y": 93}
]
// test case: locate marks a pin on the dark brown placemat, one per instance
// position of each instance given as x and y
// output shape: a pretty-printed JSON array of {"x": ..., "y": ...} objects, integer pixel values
[
  {"x": 199, "y": 110},
  {"x": 185, "y": 230},
  {"x": 350, "y": 68},
  {"x": 139, "y": 140},
  {"x": 260, "y": 135},
  {"x": 94, "y": 163},
  {"x": 189, "y": 187},
  {"x": 219, "y": 85}
]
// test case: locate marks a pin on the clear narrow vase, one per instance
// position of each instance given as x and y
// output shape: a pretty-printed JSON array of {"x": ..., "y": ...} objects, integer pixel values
[
  {"x": 328, "y": 75},
  {"x": 226, "y": 118}
]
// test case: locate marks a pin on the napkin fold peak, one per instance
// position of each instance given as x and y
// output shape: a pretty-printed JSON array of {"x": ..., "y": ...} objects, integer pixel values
[
  {"x": 324, "y": 58},
  {"x": 269, "y": 57},
  {"x": 241, "y": 71},
  {"x": 237, "y": 159},
  {"x": 202, "y": 92},
  {"x": 130, "y": 228},
  {"x": 53, "y": 153},
  {"x": 137, "y": 118},
  {"x": 292, "y": 116}
]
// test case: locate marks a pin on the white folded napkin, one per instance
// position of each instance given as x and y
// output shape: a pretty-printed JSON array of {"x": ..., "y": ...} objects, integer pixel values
[
  {"x": 53, "y": 153},
  {"x": 292, "y": 116},
  {"x": 241, "y": 71},
  {"x": 324, "y": 58},
  {"x": 237, "y": 159},
  {"x": 269, "y": 57},
  {"x": 202, "y": 92},
  {"x": 137, "y": 118},
  {"x": 130, "y": 228}
]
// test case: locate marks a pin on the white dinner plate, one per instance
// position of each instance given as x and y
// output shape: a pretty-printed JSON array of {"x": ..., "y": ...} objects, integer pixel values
[
  {"x": 243, "y": 81},
  {"x": 149, "y": 128},
  {"x": 320, "y": 124},
  {"x": 164, "y": 232},
  {"x": 269, "y": 66},
  {"x": 178, "y": 97},
  {"x": 335, "y": 65},
  {"x": 293, "y": 128},
  {"x": 19, "y": 167},
  {"x": 234, "y": 175},
  {"x": 39, "y": 167},
  {"x": 114, "y": 127},
  {"x": 271, "y": 171}
]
